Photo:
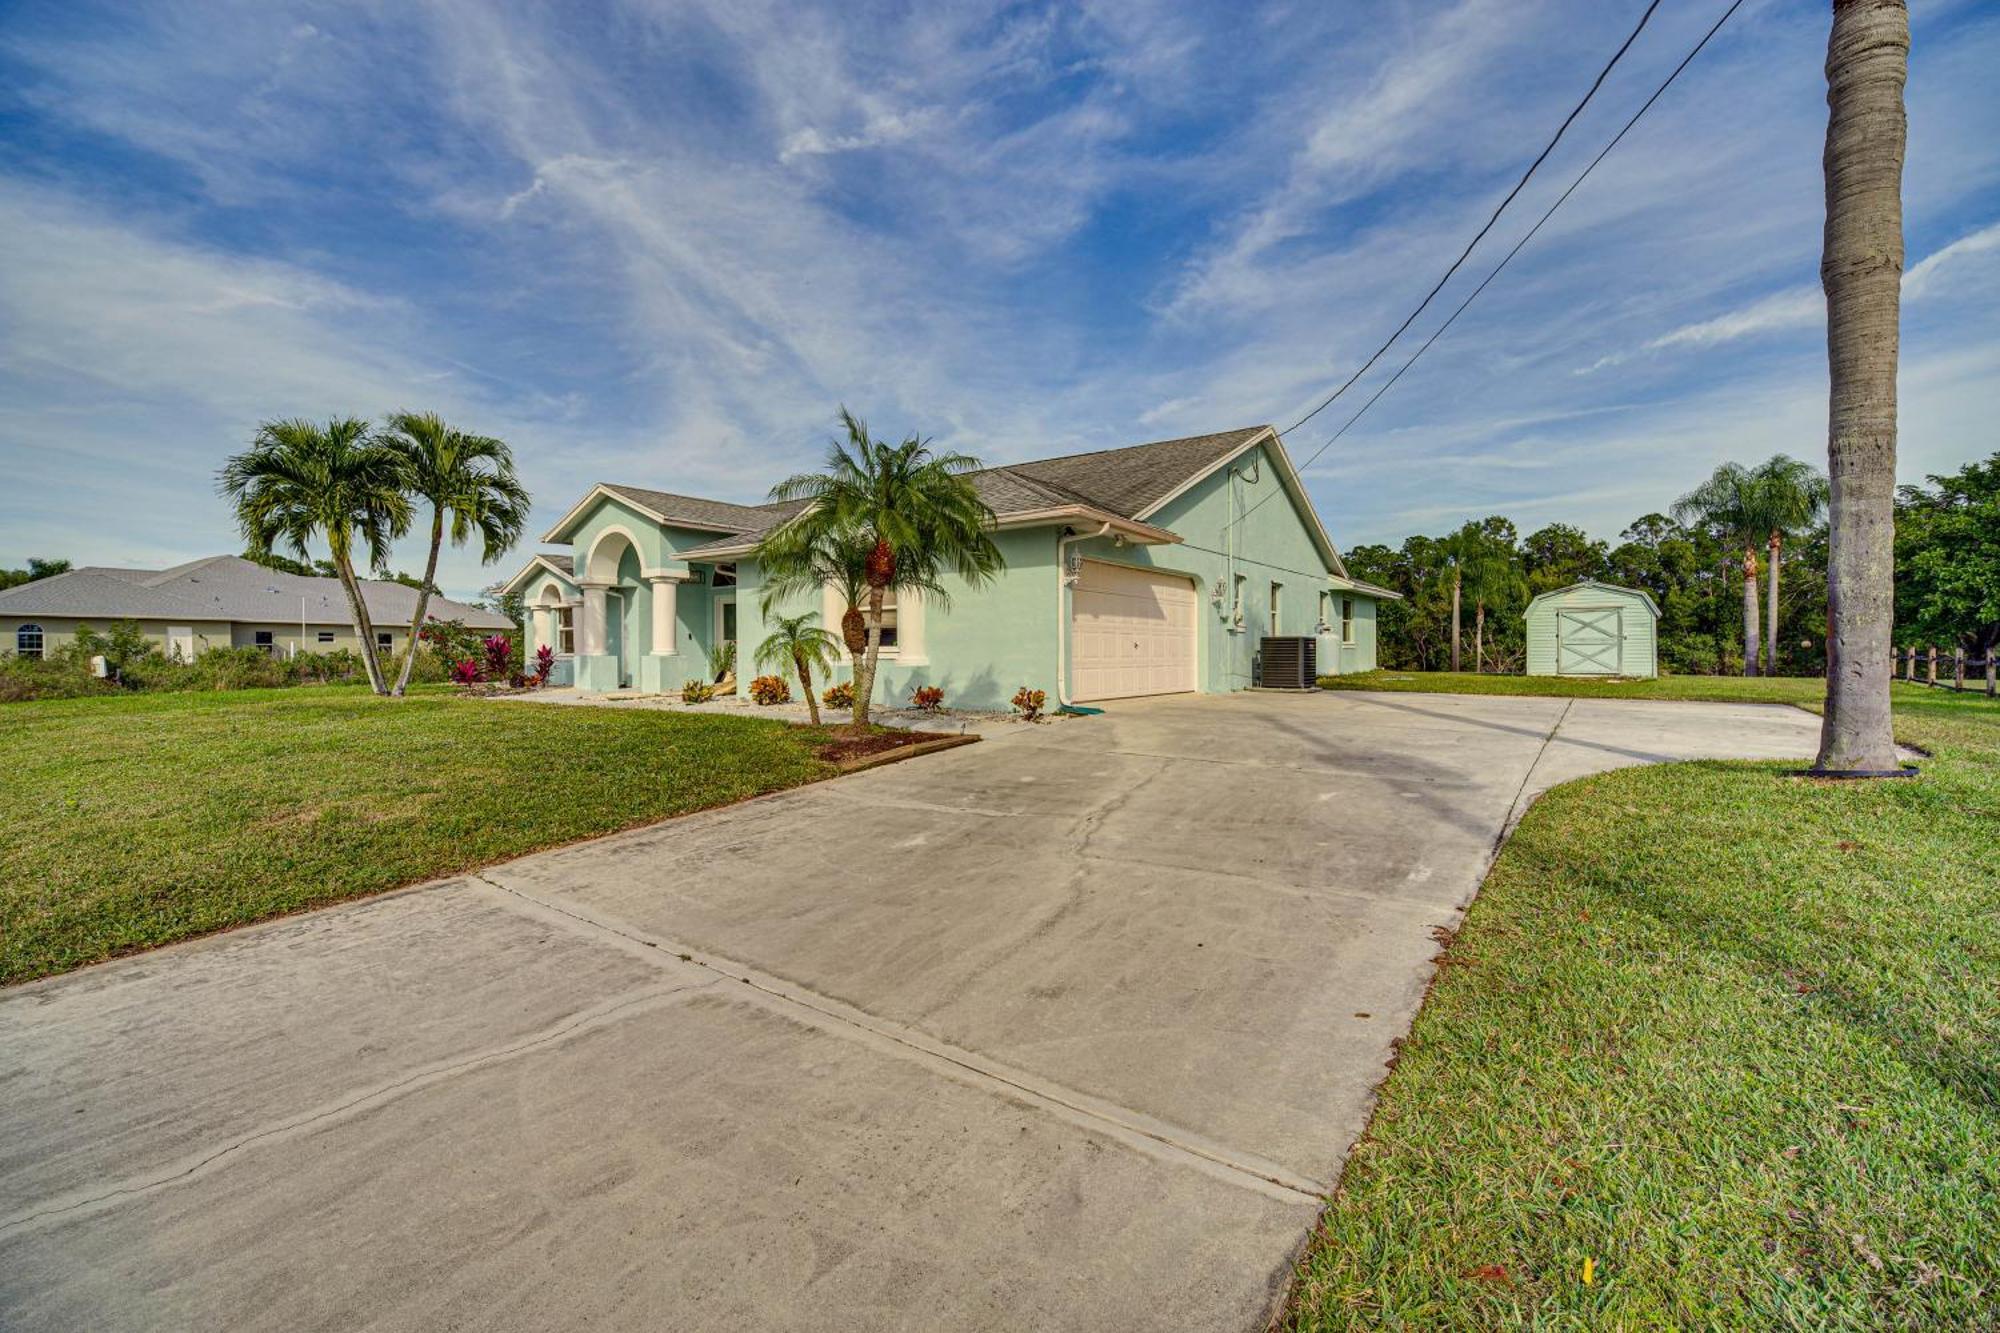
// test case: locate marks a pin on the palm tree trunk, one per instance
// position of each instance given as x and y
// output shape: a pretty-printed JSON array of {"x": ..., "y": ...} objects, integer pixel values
[
  {"x": 1861, "y": 267},
  {"x": 364, "y": 628},
  {"x": 1454, "y": 619},
  {"x": 1478, "y": 637},
  {"x": 1771, "y": 611},
  {"x": 1753, "y": 632},
  {"x": 806, "y": 684},
  {"x": 423, "y": 603},
  {"x": 864, "y": 681}
]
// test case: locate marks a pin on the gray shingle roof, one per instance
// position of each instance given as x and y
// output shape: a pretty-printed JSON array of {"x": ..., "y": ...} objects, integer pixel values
[
  {"x": 692, "y": 510},
  {"x": 1125, "y": 482},
  {"x": 224, "y": 587}
]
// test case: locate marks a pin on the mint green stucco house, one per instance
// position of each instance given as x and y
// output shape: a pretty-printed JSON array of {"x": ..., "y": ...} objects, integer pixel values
[{"x": 1153, "y": 569}]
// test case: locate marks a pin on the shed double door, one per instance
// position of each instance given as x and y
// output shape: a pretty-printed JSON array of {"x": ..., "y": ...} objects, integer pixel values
[{"x": 1589, "y": 641}]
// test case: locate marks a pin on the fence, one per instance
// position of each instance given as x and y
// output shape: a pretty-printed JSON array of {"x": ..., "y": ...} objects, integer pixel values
[{"x": 1956, "y": 664}]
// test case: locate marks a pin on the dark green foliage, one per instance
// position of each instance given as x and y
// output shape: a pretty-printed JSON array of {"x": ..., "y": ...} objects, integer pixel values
[
  {"x": 38, "y": 568},
  {"x": 1948, "y": 560}
]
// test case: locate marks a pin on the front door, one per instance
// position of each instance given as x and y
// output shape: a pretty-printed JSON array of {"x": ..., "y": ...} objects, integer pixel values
[
  {"x": 725, "y": 621},
  {"x": 1588, "y": 642}
]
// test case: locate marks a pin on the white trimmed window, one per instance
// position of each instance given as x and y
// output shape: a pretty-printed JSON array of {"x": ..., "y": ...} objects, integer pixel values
[
  {"x": 1276, "y": 590},
  {"x": 385, "y": 641},
  {"x": 566, "y": 631},
  {"x": 264, "y": 641},
  {"x": 28, "y": 641},
  {"x": 1347, "y": 620}
]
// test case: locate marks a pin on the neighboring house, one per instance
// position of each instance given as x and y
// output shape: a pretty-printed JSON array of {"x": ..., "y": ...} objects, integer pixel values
[
  {"x": 1152, "y": 569},
  {"x": 217, "y": 602}
]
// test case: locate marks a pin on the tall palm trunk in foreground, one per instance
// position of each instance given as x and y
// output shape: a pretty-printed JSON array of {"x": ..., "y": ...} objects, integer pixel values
[
  {"x": 1771, "y": 611},
  {"x": 1456, "y": 582},
  {"x": 1861, "y": 267}
]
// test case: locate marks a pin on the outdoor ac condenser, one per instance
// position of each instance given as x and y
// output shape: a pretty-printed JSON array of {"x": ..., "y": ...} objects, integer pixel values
[{"x": 1290, "y": 662}]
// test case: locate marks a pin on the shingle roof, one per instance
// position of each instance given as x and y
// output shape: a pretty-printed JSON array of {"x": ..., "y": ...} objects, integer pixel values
[
  {"x": 1126, "y": 482},
  {"x": 225, "y": 587},
  {"x": 694, "y": 511},
  {"x": 1132, "y": 480}
]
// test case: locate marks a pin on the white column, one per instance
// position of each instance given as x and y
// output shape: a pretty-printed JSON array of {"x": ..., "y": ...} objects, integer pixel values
[
  {"x": 540, "y": 628},
  {"x": 594, "y": 641},
  {"x": 666, "y": 597}
]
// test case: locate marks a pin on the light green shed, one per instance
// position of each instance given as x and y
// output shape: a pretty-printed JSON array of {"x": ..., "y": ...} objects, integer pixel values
[{"x": 1593, "y": 629}]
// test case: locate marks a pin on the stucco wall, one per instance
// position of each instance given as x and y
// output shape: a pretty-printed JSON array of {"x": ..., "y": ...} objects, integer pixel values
[{"x": 60, "y": 632}]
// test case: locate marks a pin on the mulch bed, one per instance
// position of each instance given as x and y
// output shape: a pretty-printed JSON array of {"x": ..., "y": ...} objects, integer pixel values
[{"x": 840, "y": 747}]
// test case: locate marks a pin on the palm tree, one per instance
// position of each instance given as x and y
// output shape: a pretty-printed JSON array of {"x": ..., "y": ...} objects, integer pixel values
[
  {"x": 469, "y": 477},
  {"x": 299, "y": 480},
  {"x": 1861, "y": 266},
  {"x": 917, "y": 513},
  {"x": 1794, "y": 498},
  {"x": 1735, "y": 505},
  {"x": 796, "y": 640},
  {"x": 801, "y": 563},
  {"x": 1491, "y": 575}
]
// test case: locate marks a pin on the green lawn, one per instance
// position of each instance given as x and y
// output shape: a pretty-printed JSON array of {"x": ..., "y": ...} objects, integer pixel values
[
  {"x": 140, "y": 819},
  {"x": 1722, "y": 689},
  {"x": 1732, "y": 1037}
]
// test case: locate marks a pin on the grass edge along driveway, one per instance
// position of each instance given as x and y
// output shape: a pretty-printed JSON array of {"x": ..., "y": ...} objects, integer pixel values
[
  {"x": 139, "y": 820},
  {"x": 1713, "y": 1048}
]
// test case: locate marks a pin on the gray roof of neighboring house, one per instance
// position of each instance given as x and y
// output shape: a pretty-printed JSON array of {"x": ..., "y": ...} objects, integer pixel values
[
  {"x": 225, "y": 587},
  {"x": 1126, "y": 482}
]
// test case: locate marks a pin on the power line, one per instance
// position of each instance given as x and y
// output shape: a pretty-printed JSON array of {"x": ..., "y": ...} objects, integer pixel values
[
  {"x": 1518, "y": 245},
  {"x": 1519, "y": 185}
]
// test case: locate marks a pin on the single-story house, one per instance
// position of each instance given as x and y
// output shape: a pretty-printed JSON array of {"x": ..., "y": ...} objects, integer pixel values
[
  {"x": 220, "y": 601},
  {"x": 1151, "y": 569}
]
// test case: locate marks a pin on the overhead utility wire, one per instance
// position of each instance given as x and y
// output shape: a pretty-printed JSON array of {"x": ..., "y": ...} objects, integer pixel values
[
  {"x": 1519, "y": 185},
  {"x": 1581, "y": 177}
]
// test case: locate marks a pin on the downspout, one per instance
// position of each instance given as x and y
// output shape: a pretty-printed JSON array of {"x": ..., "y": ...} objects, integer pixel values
[{"x": 1062, "y": 605}]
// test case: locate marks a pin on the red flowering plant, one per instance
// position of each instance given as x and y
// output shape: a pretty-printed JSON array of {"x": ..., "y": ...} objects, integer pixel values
[
  {"x": 466, "y": 672},
  {"x": 545, "y": 665},
  {"x": 499, "y": 651}
]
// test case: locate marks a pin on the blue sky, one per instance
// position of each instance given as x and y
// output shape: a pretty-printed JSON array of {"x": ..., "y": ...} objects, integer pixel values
[{"x": 659, "y": 243}]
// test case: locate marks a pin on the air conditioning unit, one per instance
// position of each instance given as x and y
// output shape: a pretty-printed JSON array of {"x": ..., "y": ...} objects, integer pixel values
[{"x": 1289, "y": 662}]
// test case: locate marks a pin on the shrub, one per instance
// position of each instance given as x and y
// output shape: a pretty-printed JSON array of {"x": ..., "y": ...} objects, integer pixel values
[
  {"x": 1029, "y": 702},
  {"x": 722, "y": 659},
  {"x": 697, "y": 692},
  {"x": 499, "y": 662},
  {"x": 770, "y": 690},
  {"x": 929, "y": 698},
  {"x": 26, "y": 678},
  {"x": 838, "y": 696},
  {"x": 545, "y": 665},
  {"x": 467, "y": 672}
]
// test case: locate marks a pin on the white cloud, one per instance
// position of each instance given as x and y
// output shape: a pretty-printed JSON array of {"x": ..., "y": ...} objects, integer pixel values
[{"x": 1918, "y": 281}]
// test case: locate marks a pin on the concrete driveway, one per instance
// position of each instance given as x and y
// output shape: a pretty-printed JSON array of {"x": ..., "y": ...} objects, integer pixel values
[{"x": 1071, "y": 1029}]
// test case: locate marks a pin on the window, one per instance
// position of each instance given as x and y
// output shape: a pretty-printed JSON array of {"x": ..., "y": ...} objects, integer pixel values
[
  {"x": 1276, "y": 588},
  {"x": 1347, "y": 620},
  {"x": 28, "y": 641},
  {"x": 889, "y": 619},
  {"x": 326, "y": 636},
  {"x": 724, "y": 576},
  {"x": 1325, "y": 613},
  {"x": 263, "y": 641},
  {"x": 1236, "y": 602},
  {"x": 566, "y": 631},
  {"x": 385, "y": 641}
]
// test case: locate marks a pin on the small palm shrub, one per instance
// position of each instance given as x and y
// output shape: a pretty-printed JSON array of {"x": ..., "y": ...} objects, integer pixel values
[
  {"x": 697, "y": 692},
  {"x": 1029, "y": 702},
  {"x": 722, "y": 659},
  {"x": 929, "y": 698},
  {"x": 770, "y": 690},
  {"x": 838, "y": 696}
]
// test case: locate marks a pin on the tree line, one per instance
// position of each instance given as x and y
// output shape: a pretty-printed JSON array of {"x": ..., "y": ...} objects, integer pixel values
[{"x": 1739, "y": 561}]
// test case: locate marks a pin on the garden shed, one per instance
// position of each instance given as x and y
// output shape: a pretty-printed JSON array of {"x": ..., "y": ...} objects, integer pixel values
[{"x": 1593, "y": 629}]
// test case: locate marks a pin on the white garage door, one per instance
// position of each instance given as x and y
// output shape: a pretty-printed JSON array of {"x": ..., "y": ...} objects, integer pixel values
[{"x": 1131, "y": 632}]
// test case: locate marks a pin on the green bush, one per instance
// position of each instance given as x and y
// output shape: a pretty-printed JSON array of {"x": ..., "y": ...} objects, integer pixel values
[
  {"x": 60, "y": 676},
  {"x": 697, "y": 692}
]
